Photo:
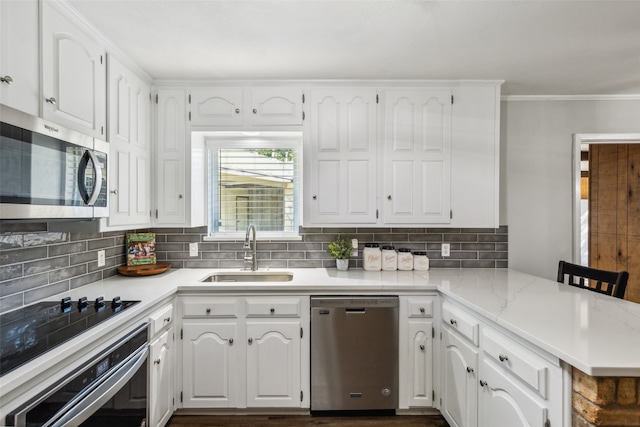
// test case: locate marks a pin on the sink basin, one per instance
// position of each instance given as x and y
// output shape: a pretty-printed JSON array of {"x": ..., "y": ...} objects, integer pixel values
[{"x": 250, "y": 276}]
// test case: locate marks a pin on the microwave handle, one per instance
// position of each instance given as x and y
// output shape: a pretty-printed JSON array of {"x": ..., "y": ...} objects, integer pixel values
[
  {"x": 89, "y": 199},
  {"x": 104, "y": 392}
]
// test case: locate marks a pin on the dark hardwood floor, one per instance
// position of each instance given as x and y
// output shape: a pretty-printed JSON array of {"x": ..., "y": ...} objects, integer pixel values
[{"x": 305, "y": 421}]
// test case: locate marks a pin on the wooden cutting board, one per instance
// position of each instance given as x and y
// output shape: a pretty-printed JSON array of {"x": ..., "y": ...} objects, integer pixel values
[{"x": 144, "y": 270}]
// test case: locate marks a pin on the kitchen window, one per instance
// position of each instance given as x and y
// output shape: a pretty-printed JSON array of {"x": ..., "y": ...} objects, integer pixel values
[{"x": 254, "y": 178}]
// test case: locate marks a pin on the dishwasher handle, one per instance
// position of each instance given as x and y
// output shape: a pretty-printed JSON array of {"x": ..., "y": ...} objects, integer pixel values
[{"x": 355, "y": 310}]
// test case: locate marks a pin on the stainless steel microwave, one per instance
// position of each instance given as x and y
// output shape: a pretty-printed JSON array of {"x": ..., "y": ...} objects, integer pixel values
[{"x": 49, "y": 172}]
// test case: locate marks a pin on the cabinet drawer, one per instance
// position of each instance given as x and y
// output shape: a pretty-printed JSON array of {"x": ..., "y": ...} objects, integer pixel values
[
  {"x": 160, "y": 319},
  {"x": 515, "y": 358},
  {"x": 273, "y": 307},
  {"x": 210, "y": 307},
  {"x": 463, "y": 323},
  {"x": 420, "y": 307}
]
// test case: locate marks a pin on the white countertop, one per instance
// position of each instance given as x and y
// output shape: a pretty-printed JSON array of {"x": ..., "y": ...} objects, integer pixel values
[{"x": 597, "y": 334}]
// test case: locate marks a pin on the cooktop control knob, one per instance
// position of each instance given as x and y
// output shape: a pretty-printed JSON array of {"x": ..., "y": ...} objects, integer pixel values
[
  {"x": 65, "y": 304},
  {"x": 82, "y": 303},
  {"x": 99, "y": 304},
  {"x": 116, "y": 302}
]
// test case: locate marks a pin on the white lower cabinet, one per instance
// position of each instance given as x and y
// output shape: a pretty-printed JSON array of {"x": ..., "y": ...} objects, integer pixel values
[
  {"x": 161, "y": 367},
  {"x": 459, "y": 386},
  {"x": 490, "y": 379},
  {"x": 244, "y": 352},
  {"x": 416, "y": 352}
]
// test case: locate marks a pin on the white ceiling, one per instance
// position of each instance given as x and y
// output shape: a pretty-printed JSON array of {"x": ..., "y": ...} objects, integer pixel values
[{"x": 538, "y": 47}]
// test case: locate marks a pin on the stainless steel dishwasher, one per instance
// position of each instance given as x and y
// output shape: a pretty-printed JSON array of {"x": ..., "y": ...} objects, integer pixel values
[{"x": 354, "y": 353}]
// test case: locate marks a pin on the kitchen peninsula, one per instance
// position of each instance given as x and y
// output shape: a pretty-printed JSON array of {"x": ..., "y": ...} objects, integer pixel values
[{"x": 551, "y": 328}]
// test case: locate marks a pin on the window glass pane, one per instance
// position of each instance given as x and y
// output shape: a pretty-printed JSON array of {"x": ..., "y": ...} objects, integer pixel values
[{"x": 253, "y": 186}]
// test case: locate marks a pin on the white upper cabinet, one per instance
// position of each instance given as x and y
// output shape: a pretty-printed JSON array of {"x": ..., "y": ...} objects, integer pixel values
[
  {"x": 73, "y": 75},
  {"x": 341, "y": 146},
  {"x": 237, "y": 108},
  {"x": 130, "y": 148},
  {"x": 170, "y": 157},
  {"x": 19, "y": 63},
  {"x": 417, "y": 156}
]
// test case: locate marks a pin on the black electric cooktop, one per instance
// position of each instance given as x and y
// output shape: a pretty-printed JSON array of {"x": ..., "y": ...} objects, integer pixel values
[{"x": 33, "y": 330}]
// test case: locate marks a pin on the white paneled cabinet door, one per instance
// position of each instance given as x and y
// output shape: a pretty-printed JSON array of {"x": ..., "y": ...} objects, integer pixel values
[
  {"x": 459, "y": 385},
  {"x": 343, "y": 157},
  {"x": 161, "y": 386},
  {"x": 504, "y": 403},
  {"x": 216, "y": 107},
  {"x": 273, "y": 364},
  {"x": 171, "y": 157},
  {"x": 421, "y": 363},
  {"x": 130, "y": 160},
  {"x": 275, "y": 106},
  {"x": 211, "y": 366},
  {"x": 73, "y": 75},
  {"x": 417, "y": 156},
  {"x": 19, "y": 55}
]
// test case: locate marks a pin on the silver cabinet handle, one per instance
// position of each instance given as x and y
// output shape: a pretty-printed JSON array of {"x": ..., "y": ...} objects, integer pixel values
[
  {"x": 272, "y": 310},
  {"x": 469, "y": 369},
  {"x": 51, "y": 101},
  {"x": 157, "y": 361},
  {"x": 250, "y": 341},
  {"x": 503, "y": 358},
  {"x": 389, "y": 197},
  {"x": 483, "y": 383},
  {"x": 422, "y": 310},
  {"x": 237, "y": 111},
  {"x": 6, "y": 79},
  {"x": 230, "y": 341},
  {"x": 315, "y": 197},
  {"x": 422, "y": 347},
  {"x": 180, "y": 196},
  {"x": 208, "y": 310},
  {"x": 114, "y": 192},
  {"x": 453, "y": 322},
  {"x": 255, "y": 111},
  {"x": 167, "y": 319}
]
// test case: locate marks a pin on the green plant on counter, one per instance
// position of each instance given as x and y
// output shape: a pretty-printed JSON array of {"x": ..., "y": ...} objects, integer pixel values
[{"x": 340, "y": 248}]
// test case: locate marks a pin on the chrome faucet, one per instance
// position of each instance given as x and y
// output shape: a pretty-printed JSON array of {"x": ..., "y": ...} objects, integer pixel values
[{"x": 250, "y": 257}]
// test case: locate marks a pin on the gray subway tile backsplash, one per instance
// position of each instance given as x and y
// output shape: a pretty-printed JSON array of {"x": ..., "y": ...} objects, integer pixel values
[{"x": 36, "y": 263}]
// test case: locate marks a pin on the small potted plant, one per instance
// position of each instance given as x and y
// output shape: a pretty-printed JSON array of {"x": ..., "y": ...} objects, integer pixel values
[{"x": 340, "y": 250}]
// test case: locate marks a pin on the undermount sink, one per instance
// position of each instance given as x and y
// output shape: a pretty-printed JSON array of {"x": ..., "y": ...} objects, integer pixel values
[{"x": 250, "y": 276}]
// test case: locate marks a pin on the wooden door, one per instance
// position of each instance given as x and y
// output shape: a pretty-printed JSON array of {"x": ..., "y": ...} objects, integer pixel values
[{"x": 614, "y": 211}]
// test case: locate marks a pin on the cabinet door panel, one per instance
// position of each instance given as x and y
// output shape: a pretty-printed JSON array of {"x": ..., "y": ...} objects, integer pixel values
[
  {"x": 74, "y": 73},
  {"x": 216, "y": 107},
  {"x": 275, "y": 106},
  {"x": 459, "y": 387},
  {"x": 433, "y": 181},
  {"x": 421, "y": 380},
  {"x": 210, "y": 361},
  {"x": 273, "y": 364},
  {"x": 161, "y": 380},
  {"x": 503, "y": 403},
  {"x": 328, "y": 179},
  {"x": 358, "y": 188}
]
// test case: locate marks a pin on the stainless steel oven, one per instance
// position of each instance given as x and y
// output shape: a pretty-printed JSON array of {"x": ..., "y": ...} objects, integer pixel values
[
  {"x": 111, "y": 390},
  {"x": 49, "y": 172}
]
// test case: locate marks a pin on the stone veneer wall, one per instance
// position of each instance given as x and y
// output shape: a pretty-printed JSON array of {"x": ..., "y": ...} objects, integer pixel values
[
  {"x": 605, "y": 401},
  {"x": 36, "y": 263}
]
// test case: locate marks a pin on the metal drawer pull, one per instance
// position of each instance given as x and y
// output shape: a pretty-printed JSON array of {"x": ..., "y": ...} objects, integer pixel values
[
  {"x": 6, "y": 79},
  {"x": 422, "y": 347},
  {"x": 273, "y": 310},
  {"x": 453, "y": 322},
  {"x": 167, "y": 319},
  {"x": 208, "y": 311},
  {"x": 237, "y": 111},
  {"x": 469, "y": 369},
  {"x": 156, "y": 362},
  {"x": 250, "y": 340},
  {"x": 230, "y": 341},
  {"x": 255, "y": 111},
  {"x": 483, "y": 383},
  {"x": 503, "y": 358},
  {"x": 51, "y": 100},
  {"x": 114, "y": 192},
  {"x": 422, "y": 310}
]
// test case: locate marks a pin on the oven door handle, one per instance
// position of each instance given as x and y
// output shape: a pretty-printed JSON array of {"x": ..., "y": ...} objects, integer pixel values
[
  {"x": 104, "y": 392},
  {"x": 89, "y": 199}
]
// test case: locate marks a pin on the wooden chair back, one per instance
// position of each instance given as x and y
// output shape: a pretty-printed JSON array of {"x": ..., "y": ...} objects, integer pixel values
[{"x": 613, "y": 283}]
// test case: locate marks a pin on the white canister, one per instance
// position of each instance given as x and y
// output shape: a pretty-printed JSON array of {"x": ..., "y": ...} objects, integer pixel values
[
  {"x": 389, "y": 258},
  {"x": 420, "y": 261},
  {"x": 371, "y": 257},
  {"x": 405, "y": 259}
]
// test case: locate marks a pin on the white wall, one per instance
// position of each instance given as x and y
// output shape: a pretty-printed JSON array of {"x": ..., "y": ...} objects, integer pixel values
[{"x": 535, "y": 175}]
